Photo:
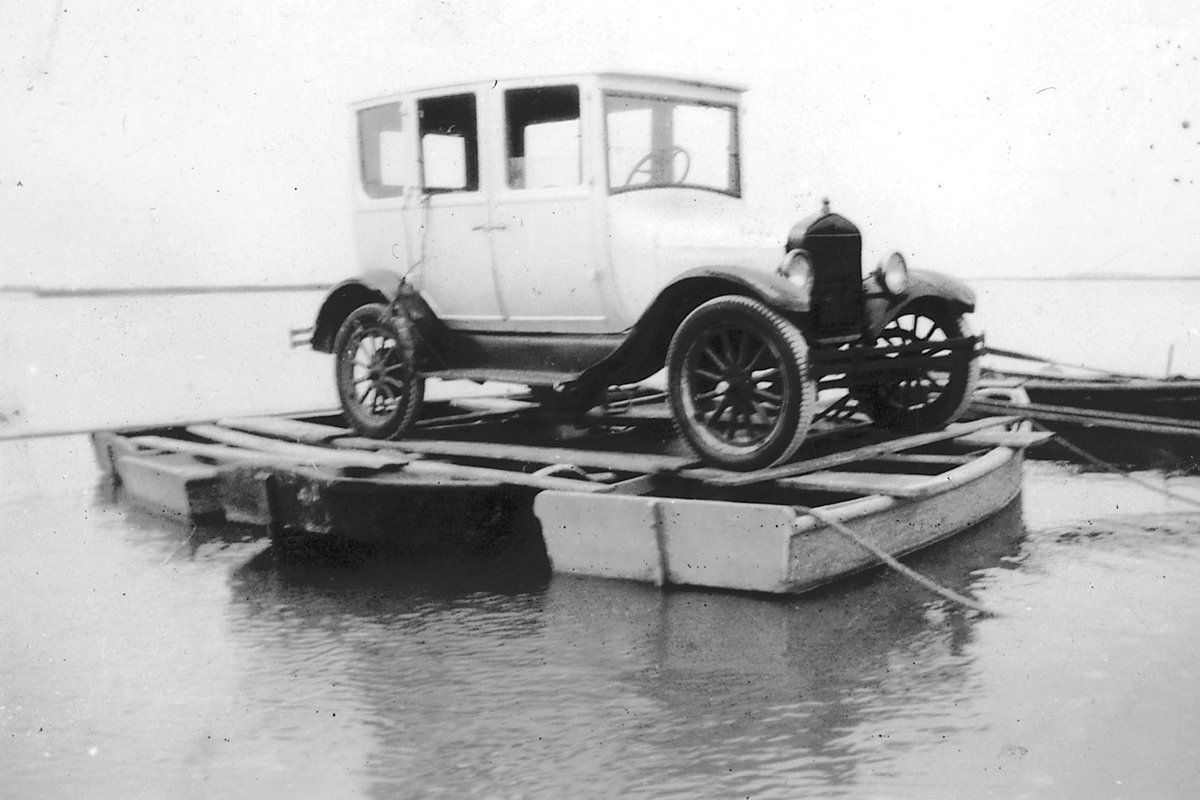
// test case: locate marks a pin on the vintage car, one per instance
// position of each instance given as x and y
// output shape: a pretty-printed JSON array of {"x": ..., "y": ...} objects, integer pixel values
[{"x": 582, "y": 232}]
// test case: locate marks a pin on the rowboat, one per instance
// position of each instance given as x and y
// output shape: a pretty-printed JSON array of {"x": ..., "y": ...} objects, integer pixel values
[
  {"x": 600, "y": 504},
  {"x": 1135, "y": 423},
  {"x": 1173, "y": 398},
  {"x": 785, "y": 530}
]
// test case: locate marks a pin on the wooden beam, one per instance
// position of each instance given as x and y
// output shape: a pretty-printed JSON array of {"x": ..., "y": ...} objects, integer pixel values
[
  {"x": 595, "y": 459},
  {"x": 896, "y": 484},
  {"x": 720, "y": 477},
  {"x": 925, "y": 458},
  {"x": 227, "y": 454},
  {"x": 301, "y": 453},
  {"x": 293, "y": 430},
  {"x": 506, "y": 476},
  {"x": 1143, "y": 423}
]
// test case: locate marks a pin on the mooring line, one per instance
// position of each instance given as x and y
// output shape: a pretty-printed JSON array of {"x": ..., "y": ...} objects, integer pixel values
[
  {"x": 180, "y": 546},
  {"x": 1079, "y": 451},
  {"x": 886, "y": 558}
]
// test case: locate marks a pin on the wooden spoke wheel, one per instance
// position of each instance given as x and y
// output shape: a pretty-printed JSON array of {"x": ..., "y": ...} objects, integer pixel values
[
  {"x": 738, "y": 384},
  {"x": 377, "y": 381},
  {"x": 930, "y": 396}
]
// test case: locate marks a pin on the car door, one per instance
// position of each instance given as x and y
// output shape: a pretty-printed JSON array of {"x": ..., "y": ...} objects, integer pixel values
[
  {"x": 450, "y": 222},
  {"x": 545, "y": 215}
]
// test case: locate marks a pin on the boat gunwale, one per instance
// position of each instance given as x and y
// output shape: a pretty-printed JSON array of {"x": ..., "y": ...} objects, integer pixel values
[{"x": 939, "y": 484}]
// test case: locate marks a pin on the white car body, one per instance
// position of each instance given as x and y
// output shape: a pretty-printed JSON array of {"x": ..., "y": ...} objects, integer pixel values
[
  {"x": 558, "y": 259},
  {"x": 579, "y": 232}
]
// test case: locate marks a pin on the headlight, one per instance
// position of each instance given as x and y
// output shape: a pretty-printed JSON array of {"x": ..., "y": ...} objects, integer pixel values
[
  {"x": 798, "y": 269},
  {"x": 893, "y": 274}
]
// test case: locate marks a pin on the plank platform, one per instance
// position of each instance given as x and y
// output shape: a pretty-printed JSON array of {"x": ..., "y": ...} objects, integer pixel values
[{"x": 597, "y": 508}]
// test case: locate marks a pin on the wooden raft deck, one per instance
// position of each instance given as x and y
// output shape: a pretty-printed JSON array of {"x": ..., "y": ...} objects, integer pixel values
[{"x": 601, "y": 506}]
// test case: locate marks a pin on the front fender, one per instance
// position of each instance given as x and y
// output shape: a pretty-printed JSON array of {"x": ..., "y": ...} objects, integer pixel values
[
  {"x": 882, "y": 308},
  {"x": 644, "y": 350},
  {"x": 371, "y": 287},
  {"x": 770, "y": 287}
]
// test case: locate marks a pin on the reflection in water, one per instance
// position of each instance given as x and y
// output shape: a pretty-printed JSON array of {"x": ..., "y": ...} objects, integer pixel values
[{"x": 684, "y": 693}]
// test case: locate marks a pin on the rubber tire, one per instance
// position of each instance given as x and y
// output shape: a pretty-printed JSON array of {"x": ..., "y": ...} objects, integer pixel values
[
  {"x": 797, "y": 390},
  {"x": 400, "y": 360},
  {"x": 880, "y": 403}
]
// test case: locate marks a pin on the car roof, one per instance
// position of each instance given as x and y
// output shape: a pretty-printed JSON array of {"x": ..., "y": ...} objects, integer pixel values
[{"x": 569, "y": 77}]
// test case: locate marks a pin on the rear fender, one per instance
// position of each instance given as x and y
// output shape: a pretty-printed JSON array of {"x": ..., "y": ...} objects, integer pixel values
[{"x": 372, "y": 287}]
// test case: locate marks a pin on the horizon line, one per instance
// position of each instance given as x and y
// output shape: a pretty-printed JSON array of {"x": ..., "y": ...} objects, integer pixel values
[{"x": 146, "y": 291}]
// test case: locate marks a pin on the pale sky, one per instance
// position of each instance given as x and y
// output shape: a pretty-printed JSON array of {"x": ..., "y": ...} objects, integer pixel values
[{"x": 162, "y": 145}]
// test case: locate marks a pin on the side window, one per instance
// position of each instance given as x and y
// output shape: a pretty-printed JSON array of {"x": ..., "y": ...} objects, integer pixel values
[
  {"x": 380, "y": 148},
  {"x": 543, "y": 137},
  {"x": 449, "y": 143}
]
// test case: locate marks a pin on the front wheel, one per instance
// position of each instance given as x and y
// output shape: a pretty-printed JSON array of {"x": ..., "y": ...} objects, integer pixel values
[
  {"x": 377, "y": 380},
  {"x": 931, "y": 396},
  {"x": 738, "y": 384}
]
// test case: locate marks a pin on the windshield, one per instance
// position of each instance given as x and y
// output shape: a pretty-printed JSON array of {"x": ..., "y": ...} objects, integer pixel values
[{"x": 663, "y": 141}]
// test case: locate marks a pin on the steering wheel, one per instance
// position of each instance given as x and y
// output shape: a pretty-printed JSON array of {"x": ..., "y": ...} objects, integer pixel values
[{"x": 645, "y": 164}]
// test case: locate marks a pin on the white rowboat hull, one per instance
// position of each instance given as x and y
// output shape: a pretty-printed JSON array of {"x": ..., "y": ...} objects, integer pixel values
[{"x": 764, "y": 547}]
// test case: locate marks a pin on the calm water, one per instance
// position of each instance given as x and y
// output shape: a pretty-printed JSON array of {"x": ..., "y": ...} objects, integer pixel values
[
  {"x": 1136, "y": 326},
  {"x": 147, "y": 659}
]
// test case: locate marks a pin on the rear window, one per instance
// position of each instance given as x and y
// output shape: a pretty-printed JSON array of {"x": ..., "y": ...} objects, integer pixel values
[{"x": 381, "y": 150}]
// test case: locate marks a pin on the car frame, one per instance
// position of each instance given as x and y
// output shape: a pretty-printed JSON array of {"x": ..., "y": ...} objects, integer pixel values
[{"x": 578, "y": 232}]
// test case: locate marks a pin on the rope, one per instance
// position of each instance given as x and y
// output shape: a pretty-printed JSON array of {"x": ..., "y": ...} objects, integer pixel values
[
  {"x": 423, "y": 201},
  {"x": 907, "y": 572},
  {"x": 995, "y": 351},
  {"x": 180, "y": 546},
  {"x": 1079, "y": 451}
]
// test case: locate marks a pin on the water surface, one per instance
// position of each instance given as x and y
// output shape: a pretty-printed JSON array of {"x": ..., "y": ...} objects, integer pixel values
[{"x": 143, "y": 658}]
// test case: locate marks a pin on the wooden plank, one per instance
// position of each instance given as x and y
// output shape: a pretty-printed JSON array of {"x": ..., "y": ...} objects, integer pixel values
[
  {"x": 1003, "y": 438},
  {"x": 171, "y": 483},
  {"x": 1144, "y": 423},
  {"x": 451, "y": 420},
  {"x": 720, "y": 477},
  {"x": 302, "y": 453},
  {"x": 890, "y": 484},
  {"x": 492, "y": 404},
  {"x": 243, "y": 492},
  {"x": 292, "y": 430},
  {"x": 634, "y": 413},
  {"x": 931, "y": 459},
  {"x": 108, "y": 447},
  {"x": 510, "y": 477},
  {"x": 225, "y": 454},
  {"x": 596, "y": 459}
]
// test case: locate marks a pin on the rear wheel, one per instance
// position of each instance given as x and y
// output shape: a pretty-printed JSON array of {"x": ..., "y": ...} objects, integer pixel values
[
  {"x": 738, "y": 384},
  {"x": 932, "y": 396},
  {"x": 377, "y": 380}
]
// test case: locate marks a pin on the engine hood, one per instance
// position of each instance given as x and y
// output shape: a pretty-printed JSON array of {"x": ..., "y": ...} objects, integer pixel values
[{"x": 678, "y": 230}]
